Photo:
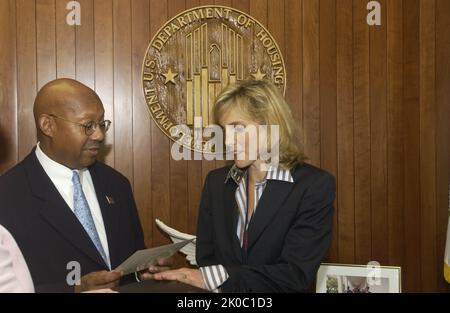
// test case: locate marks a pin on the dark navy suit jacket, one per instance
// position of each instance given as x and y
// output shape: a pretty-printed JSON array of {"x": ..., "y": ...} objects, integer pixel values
[
  {"x": 289, "y": 234},
  {"x": 49, "y": 234}
]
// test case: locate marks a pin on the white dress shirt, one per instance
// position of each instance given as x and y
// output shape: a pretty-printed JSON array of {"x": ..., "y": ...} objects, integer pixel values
[{"x": 61, "y": 176}]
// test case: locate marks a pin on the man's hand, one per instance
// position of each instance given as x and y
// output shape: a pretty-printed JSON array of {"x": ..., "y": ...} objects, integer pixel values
[
  {"x": 99, "y": 280},
  {"x": 188, "y": 276},
  {"x": 161, "y": 265}
]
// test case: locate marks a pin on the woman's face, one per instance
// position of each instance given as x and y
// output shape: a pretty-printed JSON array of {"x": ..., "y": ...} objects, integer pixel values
[{"x": 242, "y": 137}]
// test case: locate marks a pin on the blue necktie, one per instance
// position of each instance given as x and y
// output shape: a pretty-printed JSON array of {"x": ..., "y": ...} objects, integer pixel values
[{"x": 83, "y": 213}]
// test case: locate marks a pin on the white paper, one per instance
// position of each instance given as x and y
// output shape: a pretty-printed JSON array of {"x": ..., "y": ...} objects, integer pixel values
[
  {"x": 142, "y": 259},
  {"x": 177, "y": 236}
]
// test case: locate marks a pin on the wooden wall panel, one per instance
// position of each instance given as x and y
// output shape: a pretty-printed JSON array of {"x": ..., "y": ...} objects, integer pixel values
[
  {"x": 160, "y": 145},
  {"x": 258, "y": 10},
  {"x": 411, "y": 89},
  {"x": 85, "y": 45},
  {"x": 395, "y": 139},
  {"x": 123, "y": 109},
  {"x": 65, "y": 42},
  {"x": 311, "y": 108},
  {"x": 345, "y": 136},
  {"x": 362, "y": 124},
  {"x": 442, "y": 132},
  {"x": 292, "y": 56},
  {"x": 372, "y": 101},
  {"x": 194, "y": 176},
  {"x": 275, "y": 14},
  {"x": 263, "y": 10},
  {"x": 428, "y": 143},
  {"x": 45, "y": 42},
  {"x": 142, "y": 173},
  {"x": 178, "y": 169},
  {"x": 194, "y": 3},
  {"x": 328, "y": 104},
  {"x": 208, "y": 166},
  {"x": 26, "y": 75},
  {"x": 104, "y": 68},
  {"x": 242, "y": 5},
  {"x": 378, "y": 136},
  {"x": 8, "y": 86}
]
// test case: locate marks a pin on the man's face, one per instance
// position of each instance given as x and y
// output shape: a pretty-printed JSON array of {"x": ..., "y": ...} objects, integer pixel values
[{"x": 74, "y": 148}]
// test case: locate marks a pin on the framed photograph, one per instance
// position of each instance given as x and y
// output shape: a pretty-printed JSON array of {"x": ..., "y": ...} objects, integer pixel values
[{"x": 339, "y": 278}]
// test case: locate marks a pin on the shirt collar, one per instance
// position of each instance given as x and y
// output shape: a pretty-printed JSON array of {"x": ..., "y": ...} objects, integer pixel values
[
  {"x": 236, "y": 174},
  {"x": 54, "y": 169},
  {"x": 273, "y": 173}
]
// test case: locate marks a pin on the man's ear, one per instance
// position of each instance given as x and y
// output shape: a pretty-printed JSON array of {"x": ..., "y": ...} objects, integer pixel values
[{"x": 47, "y": 125}]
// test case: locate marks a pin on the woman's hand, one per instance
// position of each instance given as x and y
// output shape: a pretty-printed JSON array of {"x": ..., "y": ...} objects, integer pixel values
[
  {"x": 184, "y": 275},
  {"x": 161, "y": 265}
]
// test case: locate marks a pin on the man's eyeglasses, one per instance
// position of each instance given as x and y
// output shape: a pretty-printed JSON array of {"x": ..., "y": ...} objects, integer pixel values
[{"x": 89, "y": 127}]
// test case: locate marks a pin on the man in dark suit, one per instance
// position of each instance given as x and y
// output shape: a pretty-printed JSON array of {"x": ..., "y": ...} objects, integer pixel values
[{"x": 62, "y": 206}]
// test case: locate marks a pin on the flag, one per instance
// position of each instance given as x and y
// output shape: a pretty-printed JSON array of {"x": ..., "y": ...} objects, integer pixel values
[{"x": 447, "y": 245}]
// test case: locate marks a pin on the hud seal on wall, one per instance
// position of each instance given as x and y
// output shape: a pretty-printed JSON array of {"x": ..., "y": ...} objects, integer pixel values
[{"x": 194, "y": 56}]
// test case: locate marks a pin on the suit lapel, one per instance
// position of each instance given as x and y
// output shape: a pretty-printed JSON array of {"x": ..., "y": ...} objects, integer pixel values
[
  {"x": 55, "y": 210},
  {"x": 231, "y": 217},
  {"x": 109, "y": 209},
  {"x": 271, "y": 200}
]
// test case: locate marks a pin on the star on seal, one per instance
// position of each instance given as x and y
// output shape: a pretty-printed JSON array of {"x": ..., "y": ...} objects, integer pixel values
[
  {"x": 259, "y": 75},
  {"x": 170, "y": 76}
]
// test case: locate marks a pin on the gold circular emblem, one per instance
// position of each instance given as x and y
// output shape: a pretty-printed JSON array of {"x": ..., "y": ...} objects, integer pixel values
[{"x": 193, "y": 57}]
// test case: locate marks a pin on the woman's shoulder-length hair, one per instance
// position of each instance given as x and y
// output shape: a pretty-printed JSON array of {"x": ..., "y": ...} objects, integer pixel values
[{"x": 262, "y": 102}]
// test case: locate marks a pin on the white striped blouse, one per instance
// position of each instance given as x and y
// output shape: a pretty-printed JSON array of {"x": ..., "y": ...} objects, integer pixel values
[{"x": 215, "y": 275}]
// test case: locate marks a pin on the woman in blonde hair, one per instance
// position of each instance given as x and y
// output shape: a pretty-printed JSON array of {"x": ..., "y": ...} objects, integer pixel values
[{"x": 264, "y": 224}]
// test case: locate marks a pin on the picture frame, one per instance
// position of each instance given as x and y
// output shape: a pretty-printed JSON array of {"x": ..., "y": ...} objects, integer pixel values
[{"x": 351, "y": 278}]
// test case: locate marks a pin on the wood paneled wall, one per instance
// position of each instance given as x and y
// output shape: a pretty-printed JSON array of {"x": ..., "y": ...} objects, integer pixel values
[{"x": 373, "y": 103}]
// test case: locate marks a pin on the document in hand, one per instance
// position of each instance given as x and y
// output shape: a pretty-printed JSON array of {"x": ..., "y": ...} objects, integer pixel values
[
  {"x": 144, "y": 258},
  {"x": 178, "y": 236}
]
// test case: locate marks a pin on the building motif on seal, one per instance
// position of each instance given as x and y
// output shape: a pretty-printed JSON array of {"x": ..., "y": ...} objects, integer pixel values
[{"x": 194, "y": 56}]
